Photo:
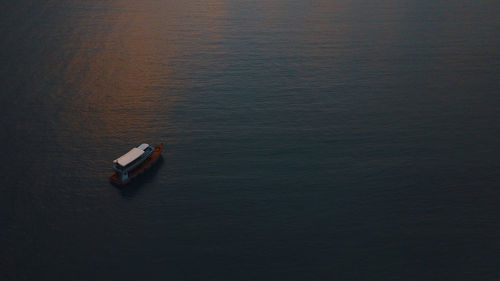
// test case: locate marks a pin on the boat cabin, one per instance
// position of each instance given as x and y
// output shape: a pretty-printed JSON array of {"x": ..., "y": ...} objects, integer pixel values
[{"x": 132, "y": 159}]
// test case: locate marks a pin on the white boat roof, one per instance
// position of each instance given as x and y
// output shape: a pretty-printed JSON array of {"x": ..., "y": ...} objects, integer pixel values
[
  {"x": 143, "y": 146},
  {"x": 130, "y": 156}
]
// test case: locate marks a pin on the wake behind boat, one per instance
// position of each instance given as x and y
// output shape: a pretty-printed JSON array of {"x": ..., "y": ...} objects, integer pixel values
[{"x": 134, "y": 162}]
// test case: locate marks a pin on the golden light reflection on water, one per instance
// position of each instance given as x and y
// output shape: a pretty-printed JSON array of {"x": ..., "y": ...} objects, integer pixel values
[
  {"x": 120, "y": 67},
  {"x": 111, "y": 72}
]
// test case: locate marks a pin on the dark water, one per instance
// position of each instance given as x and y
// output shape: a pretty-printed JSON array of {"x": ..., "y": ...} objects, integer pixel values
[{"x": 305, "y": 140}]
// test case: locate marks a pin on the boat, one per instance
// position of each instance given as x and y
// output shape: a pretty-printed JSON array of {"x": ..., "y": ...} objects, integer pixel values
[{"x": 135, "y": 162}]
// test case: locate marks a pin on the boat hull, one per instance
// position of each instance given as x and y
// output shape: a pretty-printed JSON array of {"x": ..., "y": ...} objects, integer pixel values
[{"x": 150, "y": 161}]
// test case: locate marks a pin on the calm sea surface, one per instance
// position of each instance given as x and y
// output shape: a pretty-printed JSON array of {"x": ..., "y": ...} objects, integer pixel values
[{"x": 305, "y": 140}]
